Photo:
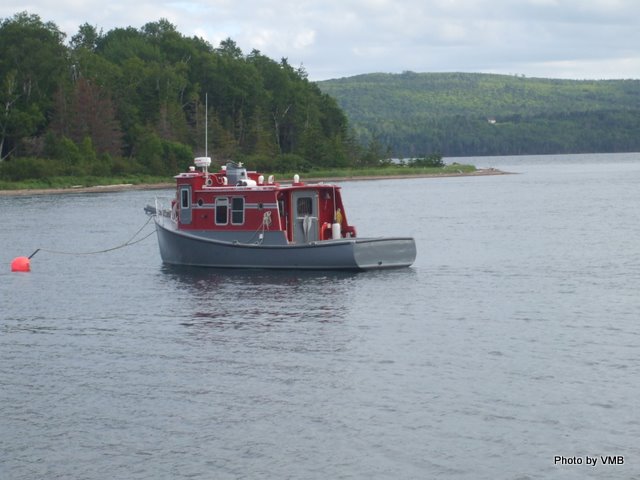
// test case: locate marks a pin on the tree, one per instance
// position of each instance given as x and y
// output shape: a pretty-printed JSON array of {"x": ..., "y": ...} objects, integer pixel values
[
  {"x": 87, "y": 37},
  {"x": 89, "y": 112},
  {"x": 229, "y": 48},
  {"x": 32, "y": 65}
]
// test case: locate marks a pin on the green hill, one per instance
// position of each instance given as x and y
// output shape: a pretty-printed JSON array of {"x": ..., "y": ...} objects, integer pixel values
[{"x": 460, "y": 114}]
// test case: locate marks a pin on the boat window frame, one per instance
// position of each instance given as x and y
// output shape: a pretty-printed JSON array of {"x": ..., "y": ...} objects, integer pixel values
[
  {"x": 185, "y": 198},
  {"x": 235, "y": 211},
  {"x": 307, "y": 204},
  {"x": 220, "y": 204}
]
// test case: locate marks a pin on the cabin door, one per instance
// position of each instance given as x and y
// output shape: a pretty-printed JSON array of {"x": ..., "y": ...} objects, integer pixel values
[
  {"x": 305, "y": 216},
  {"x": 185, "y": 205}
]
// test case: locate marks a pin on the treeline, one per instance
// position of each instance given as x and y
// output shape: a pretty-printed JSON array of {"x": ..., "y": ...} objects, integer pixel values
[
  {"x": 462, "y": 114},
  {"x": 133, "y": 100}
]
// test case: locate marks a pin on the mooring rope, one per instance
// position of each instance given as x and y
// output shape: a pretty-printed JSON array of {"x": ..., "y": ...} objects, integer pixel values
[{"x": 128, "y": 243}]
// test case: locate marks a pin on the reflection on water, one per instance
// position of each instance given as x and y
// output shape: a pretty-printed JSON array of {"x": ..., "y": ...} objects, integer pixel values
[
  {"x": 204, "y": 277},
  {"x": 218, "y": 299}
]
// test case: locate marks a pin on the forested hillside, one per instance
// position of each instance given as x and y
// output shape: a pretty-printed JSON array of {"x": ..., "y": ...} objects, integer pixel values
[
  {"x": 460, "y": 114},
  {"x": 133, "y": 100}
]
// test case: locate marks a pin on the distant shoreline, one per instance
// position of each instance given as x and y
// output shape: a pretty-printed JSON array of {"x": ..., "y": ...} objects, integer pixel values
[{"x": 162, "y": 186}]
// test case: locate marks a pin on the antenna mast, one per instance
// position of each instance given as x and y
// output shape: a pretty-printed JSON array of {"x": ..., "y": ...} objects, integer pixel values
[{"x": 206, "y": 123}]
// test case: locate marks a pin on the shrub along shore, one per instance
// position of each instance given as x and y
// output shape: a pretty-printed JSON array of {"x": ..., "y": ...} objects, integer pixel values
[{"x": 64, "y": 185}]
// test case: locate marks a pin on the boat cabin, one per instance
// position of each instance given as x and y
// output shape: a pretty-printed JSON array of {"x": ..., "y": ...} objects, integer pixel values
[{"x": 237, "y": 205}]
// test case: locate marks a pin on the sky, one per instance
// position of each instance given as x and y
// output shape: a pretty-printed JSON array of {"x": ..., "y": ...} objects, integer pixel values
[{"x": 569, "y": 39}]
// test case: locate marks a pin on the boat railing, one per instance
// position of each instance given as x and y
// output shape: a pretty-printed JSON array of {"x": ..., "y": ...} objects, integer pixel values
[{"x": 164, "y": 210}]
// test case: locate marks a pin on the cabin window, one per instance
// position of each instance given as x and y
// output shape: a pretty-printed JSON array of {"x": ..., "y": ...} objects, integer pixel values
[
  {"x": 184, "y": 198},
  {"x": 237, "y": 211},
  {"x": 222, "y": 211},
  {"x": 304, "y": 206}
]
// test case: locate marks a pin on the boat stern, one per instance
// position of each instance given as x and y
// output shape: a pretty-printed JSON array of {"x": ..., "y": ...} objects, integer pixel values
[{"x": 378, "y": 253}]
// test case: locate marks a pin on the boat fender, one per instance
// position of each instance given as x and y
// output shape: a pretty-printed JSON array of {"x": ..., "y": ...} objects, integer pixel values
[
  {"x": 307, "y": 223},
  {"x": 266, "y": 219},
  {"x": 336, "y": 232}
]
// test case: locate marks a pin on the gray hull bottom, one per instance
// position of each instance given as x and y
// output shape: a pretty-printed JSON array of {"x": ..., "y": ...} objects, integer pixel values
[{"x": 180, "y": 248}]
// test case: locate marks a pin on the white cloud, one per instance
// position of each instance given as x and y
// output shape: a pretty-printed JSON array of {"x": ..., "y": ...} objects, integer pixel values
[{"x": 304, "y": 39}]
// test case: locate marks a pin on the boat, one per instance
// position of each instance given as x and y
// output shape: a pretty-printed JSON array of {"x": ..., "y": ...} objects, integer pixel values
[{"x": 235, "y": 218}]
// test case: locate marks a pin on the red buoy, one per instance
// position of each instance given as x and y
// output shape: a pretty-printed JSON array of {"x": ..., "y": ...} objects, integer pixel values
[{"x": 21, "y": 264}]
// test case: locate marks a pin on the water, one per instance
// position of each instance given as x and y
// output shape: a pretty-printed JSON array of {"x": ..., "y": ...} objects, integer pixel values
[{"x": 513, "y": 339}]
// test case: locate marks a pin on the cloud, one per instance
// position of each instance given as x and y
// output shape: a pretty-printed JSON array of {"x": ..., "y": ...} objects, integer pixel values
[{"x": 336, "y": 38}]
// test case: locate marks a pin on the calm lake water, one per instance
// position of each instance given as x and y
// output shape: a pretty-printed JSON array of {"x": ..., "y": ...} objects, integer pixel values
[{"x": 515, "y": 338}]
